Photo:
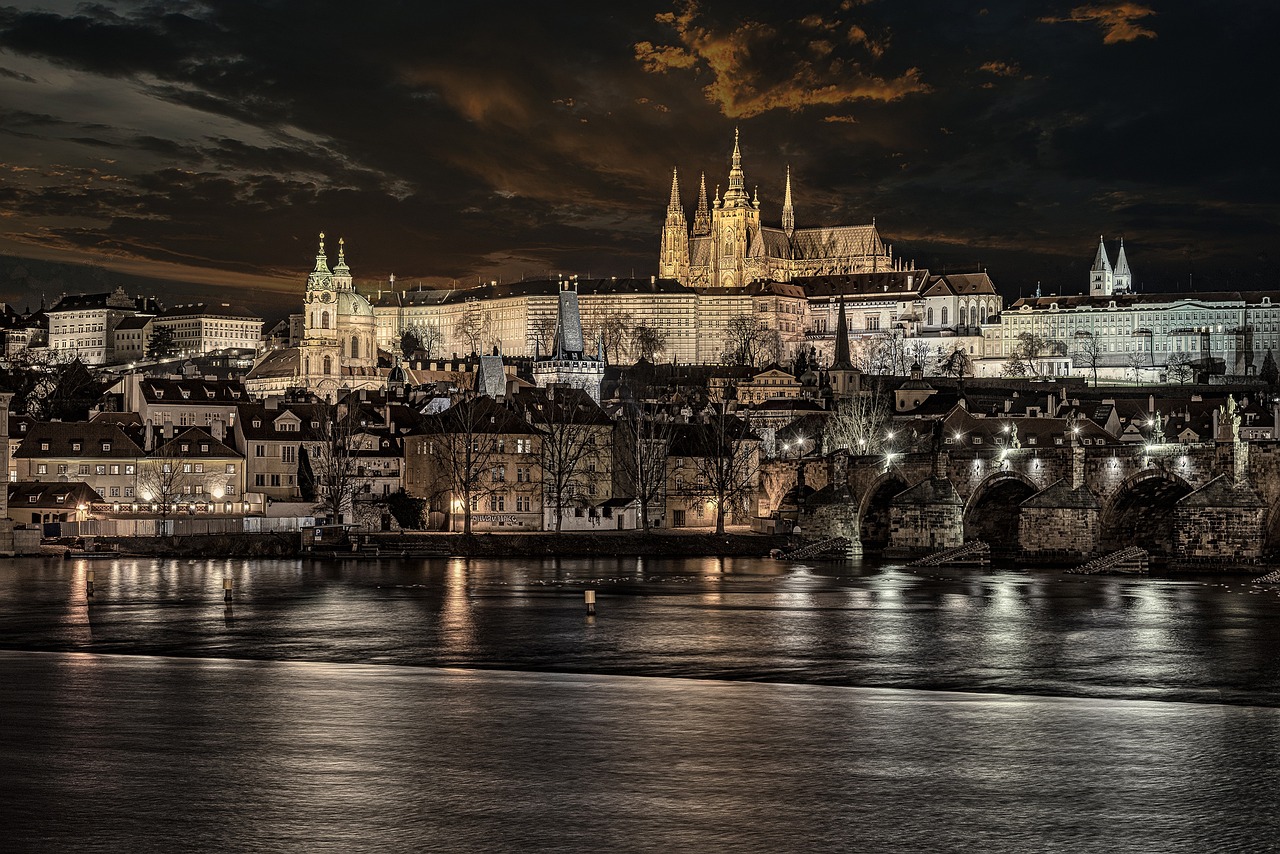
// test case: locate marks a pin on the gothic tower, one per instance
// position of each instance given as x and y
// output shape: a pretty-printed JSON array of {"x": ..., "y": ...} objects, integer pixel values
[
  {"x": 1123, "y": 278},
  {"x": 674, "y": 262},
  {"x": 1101, "y": 277},
  {"x": 788, "y": 213},
  {"x": 702, "y": 216},
  {"x": 733, "y": 222}
]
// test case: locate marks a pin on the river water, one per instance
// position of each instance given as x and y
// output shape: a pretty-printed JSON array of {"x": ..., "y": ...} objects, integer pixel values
[{"x": 471, "y": 705}]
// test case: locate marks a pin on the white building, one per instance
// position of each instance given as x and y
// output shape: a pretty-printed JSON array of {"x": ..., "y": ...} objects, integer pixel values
[
  {"x": 201, "y": 328},
  {"x": 1136, "y": 336},
  {"x": 83, "y": 326}
]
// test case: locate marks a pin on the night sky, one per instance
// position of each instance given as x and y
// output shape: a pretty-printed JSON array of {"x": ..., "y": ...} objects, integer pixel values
[{"x": 209, "y": 142}]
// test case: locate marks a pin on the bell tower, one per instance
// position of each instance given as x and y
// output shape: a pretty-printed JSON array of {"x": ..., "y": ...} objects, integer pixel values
[{"x": 735, "y": 219}]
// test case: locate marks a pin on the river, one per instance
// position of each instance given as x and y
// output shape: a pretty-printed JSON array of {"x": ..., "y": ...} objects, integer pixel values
[{"x": 471, "y": 705}]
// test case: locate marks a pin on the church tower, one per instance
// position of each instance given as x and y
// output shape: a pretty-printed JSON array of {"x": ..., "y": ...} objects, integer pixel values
[
  {"x": 1101, "y": 277},
  {"x": 1123, "y": 278},
  {"x": 734, "y": 221},
  {"x": 702, "y": 216},
  {"x": 845, "y": 379},
  {"x": 674, "y": 262},
  {"x": 788, "y": 213}
]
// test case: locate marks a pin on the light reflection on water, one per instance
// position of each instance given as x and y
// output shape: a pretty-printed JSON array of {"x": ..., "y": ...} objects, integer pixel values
[{"x": 722, "y": 618}]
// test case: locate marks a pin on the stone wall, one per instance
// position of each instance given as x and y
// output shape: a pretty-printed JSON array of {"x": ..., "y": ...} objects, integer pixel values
[{"x": 927, "y": 517}]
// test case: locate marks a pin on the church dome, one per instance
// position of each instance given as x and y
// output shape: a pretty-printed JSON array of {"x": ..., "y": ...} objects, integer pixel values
[{"x": 352, "y": 304}]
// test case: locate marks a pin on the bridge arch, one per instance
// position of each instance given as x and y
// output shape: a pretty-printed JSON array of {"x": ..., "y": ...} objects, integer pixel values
[
  {"x": 991, "y": 514},
  {"x": 1141, "y": 512},
  {"x": 873, "y": 512},
  {"x": 1271, "y": 532}
]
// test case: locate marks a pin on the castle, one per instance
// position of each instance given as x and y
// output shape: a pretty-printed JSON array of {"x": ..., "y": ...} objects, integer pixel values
[{"x": 728, "y": 246}]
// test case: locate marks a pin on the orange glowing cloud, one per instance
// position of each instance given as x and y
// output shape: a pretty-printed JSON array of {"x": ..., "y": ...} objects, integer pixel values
[
  {"x": 1119, "y": 21},
  {"x": 755, "y": 67}
]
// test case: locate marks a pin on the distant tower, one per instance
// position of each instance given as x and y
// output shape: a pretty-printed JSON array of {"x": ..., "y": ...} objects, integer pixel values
[
  {"x": 845, "y": 379},
  {"x": 702, "y": 216},
  {"x": 1101, "y": 277},
  {"x": 1123, "y": 278},
  {"x": 788, "y": 213},
  {"x": 569, "y": 363},
  {"x": 674, "y": 261}
]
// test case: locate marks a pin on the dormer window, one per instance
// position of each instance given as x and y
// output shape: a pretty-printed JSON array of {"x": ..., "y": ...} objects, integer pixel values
[
  {"x": 186, "y": 448},
  {"x": 32, "y": 499},
  {"x": 159, "y": 393},
  {"x": 257, "y": 423},
  {"x": 75, "y": 446},
  {"x": 44, "y": 446},
  {"x": 106, "y": 446},
  {"x": 204, "y": 449}
]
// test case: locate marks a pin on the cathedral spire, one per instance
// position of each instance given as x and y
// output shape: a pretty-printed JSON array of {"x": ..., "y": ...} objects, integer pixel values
[
  {"x": 702, "y": 217},
  {"x": 1122, "y": 263},
  {"x": 1123, "y": 276},
  {"x": 1100, "y": 261},
  {"x": 788, "y": 213},
  {"x": 674, "y": 204},
  {"x": 737, "y": 192}
]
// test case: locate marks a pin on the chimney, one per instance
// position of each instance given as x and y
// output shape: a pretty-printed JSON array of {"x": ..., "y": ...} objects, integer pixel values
[
  {"x": 168, "y": 429},
  {"x": 149, "y": 437},
  {"x": 218, "y": 429}
]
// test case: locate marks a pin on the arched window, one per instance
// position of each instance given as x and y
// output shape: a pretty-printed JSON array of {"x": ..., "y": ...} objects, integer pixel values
[
  {"x": 944, "y": 315},
  {"x": 306, "y": 365},
  {"x": 973, "y": 315},
  {"x": 930, "y": 323},
  {"x": 328, "y": 362},
  {"x": 324, "y": 322},
  {"x": 355, "y": 347}
]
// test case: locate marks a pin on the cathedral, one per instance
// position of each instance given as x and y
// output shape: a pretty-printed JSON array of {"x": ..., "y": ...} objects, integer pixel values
[{"x": 728, "y": 246}]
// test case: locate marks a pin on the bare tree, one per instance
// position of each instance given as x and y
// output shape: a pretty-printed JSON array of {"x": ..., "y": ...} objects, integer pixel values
[
  {"x": 1088, "y": 353},
  {"x": 1134, "y": 363},
  {"x": 745, "y": 341},
  {"x": 162, "y": 480},
  {"x": 471, "y": 327},
  {"x": 464, "y": 442},
  {"x": 612, "y": 325},
  {"x": 1179, "y": 367},
  {"x": 647, "y": 342},
  {"x": 542, "y": 333},
  {"x": 334, "y": 461},
  {"x": 1024, "y": 360},
  {"x": 575, "y": 433},
  {"x": 918, "y": 352},
  {"x": 726, "y": 463},
  {"x": 641, "y": 448},
  {"x": 430, "y": 339},
  {"x": 858, "y": 425}
]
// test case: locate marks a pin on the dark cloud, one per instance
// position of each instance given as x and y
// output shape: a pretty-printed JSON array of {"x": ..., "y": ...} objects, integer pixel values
[{"x": 453, "y": 141}]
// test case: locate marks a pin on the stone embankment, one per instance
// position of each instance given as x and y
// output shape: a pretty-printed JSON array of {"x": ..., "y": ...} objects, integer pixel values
[{"x": 567, "y": 544}]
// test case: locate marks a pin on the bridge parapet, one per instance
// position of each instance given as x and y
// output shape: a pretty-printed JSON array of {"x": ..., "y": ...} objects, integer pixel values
[{"x": 1071, "y": 500}]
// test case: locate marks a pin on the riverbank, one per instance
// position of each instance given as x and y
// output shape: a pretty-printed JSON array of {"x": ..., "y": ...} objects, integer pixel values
[{"x": 545, "y": 544}]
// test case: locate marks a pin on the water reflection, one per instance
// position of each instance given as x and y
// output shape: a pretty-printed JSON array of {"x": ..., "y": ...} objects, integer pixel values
[{"x": 728, "y": 618}]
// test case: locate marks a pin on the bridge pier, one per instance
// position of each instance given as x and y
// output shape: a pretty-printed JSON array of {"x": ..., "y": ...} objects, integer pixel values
[{"x": 925, "y": 518}]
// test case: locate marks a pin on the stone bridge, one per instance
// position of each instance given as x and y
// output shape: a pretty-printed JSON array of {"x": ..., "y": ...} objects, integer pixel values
[{"x": 1214, "y": 502}]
